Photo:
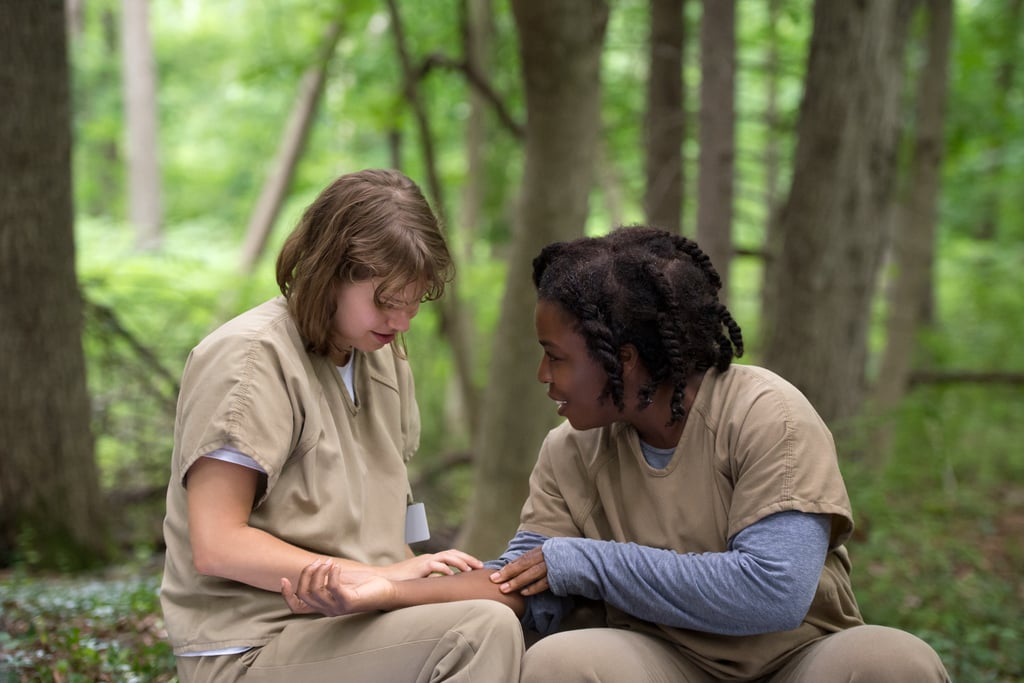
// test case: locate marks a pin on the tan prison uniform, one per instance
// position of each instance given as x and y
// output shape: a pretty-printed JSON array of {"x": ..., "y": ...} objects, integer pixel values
[
  {"x": 752, "y": 446},
  {"x": 336, "y": 484}
]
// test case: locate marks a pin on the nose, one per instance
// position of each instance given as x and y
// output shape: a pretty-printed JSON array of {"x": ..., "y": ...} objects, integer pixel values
[
  {"x": 399, "y": 318},
  {"x": 544, "y": 370}
]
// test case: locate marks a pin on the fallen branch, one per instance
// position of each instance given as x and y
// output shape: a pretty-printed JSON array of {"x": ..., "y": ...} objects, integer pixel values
[{"x": 920, "y": 377}]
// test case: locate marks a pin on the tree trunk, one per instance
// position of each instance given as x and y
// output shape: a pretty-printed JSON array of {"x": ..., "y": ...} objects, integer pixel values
[
  {"x": 145, "y": 203},
  {"x": 990, "y": 218},
  {"x": 833, "y": 223},
  {"x": 772, "y": 243},
  {"x": 717, "y": 135},
  {"x": 560, "y": 43},
  {"x": 51, "y": 509},
  {"x": 478, "y": 31},
  {"x": 912, "y": 286},
  {"x": 293, "y": 142},
  {"x": 665, "y": 119},
  {"x": 456, "y": 324}
]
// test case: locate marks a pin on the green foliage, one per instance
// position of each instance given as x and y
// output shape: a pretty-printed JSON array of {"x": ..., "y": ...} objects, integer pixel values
[
  {"x": 938, "y": 548},
  {"x": 83, "y": 630}
]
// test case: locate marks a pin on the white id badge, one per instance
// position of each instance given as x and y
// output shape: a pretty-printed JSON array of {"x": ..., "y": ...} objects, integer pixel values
[{"x": 416, "y": 528}]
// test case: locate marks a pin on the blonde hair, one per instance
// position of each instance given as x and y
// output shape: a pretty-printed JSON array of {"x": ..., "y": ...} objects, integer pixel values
[{"x": 371, "y": 224}]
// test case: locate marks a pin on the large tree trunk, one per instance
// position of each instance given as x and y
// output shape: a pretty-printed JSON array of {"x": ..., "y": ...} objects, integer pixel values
[
  {"x": 665, "y": 118},
  {"x": 145, "y": 203},
  {"x": 717, "y": 135},
  {"x": 913, "y": 255},
  {"x": 833, "y": 223},
  {"x": 560, "y": 44},
  {"x": 50, "y": 501},
  {"x": 289, "y": 150}
]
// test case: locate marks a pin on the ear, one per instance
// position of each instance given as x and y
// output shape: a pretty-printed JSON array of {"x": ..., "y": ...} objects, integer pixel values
[{"x": 630, "y": 358}]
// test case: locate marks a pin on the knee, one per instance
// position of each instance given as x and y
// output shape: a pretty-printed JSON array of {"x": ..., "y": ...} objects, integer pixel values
[
  {"x": 494, "y": 619},
  {"x": 879, "y": 654}
]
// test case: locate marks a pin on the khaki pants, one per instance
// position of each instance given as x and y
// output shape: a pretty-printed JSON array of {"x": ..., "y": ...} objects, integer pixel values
[
  {"x": 864, "y": 654},
  {"x": 471, "y": 640}
]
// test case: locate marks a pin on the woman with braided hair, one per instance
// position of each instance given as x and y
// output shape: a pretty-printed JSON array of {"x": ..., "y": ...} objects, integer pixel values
[{"x": 696, "y": 503}]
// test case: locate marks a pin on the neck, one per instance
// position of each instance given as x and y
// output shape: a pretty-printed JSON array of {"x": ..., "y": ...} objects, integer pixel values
[{"x": 652, "y": 422}]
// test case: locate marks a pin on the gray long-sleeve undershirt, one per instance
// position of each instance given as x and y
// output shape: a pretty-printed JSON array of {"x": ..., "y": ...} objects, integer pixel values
[{"x": 764, "y": 582}]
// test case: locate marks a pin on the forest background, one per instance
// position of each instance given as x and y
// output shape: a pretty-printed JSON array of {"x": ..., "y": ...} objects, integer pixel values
[{"x": 854, "y": 170}]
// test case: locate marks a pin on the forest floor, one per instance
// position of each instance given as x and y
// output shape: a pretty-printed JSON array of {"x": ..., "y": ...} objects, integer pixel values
[{"x": 107, "y": 628}]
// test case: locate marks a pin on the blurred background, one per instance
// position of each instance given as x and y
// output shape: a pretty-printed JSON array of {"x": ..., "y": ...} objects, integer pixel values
[{"x": 854, "y": 170}]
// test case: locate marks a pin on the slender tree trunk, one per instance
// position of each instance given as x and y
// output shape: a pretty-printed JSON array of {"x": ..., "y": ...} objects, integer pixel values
[
  {"x": 912, "y": 285},
  {"x": 717, "y": 135},
  {"x": 293, "y": 142},
  {"x": 560, "y": 43},
  {"x": 1006, "y": 71},
  {"x": 50, "y": 502},
  {"x": 665, "y": 118},
  {"x": 478, "y": 31},
  {"x": 772, "y": 242},
  {"x": 145, "y": 202},
  {"x": 834, "y": 221},
  {"x": 456, "y": 324}
]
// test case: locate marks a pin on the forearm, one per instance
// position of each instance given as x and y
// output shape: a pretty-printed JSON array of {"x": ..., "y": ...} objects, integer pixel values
[
  {"x": 764, "y": 583},
  {"x": 462, "y": 586},
  {"x": 254, "y": 557}
]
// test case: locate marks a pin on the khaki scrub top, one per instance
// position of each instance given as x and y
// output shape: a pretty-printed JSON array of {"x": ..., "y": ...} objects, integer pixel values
[
  {"x": 336, "y": 481},
  {"x": 752, "y": 446}
]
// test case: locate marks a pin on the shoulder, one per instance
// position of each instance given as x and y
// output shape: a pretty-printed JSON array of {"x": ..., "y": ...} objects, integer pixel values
[
  {"x": 267, "y": 328},
  {"x": 748, "y": 392}
]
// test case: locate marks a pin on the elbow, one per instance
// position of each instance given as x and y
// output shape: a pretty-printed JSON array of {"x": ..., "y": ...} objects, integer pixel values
[
  {"x": 789, "y": 610},
  {"x": 204, "y": 562},
  {"x": 208, "y": 558}
]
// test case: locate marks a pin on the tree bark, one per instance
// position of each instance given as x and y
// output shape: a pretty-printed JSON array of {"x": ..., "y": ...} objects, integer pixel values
[
  {"x": 665, "y": 118},
  {"x": 139, "y": 78},
  {"x": 293, "y": 142},
  {"x": 51, "y": 510},
  {"x": 717, "y": 135},
  {"x": 834, "y": 221},
  {"x": 913, "y": 255},
  {"x": 560, "y": 44}
]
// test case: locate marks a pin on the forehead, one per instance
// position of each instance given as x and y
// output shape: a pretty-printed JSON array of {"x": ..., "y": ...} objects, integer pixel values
[
  {"x": 399, "y": 292},
  {"x": 553, "y": 322}
]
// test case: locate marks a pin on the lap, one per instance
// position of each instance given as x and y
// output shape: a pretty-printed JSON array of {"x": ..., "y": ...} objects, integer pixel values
[
  {"x": 382, "y": 646},
  {"x": 867, "y": 654},
  {"x": 607, "y": 654}
]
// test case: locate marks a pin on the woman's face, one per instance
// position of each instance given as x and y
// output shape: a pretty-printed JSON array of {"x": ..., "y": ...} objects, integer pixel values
[
  {"x": 575, "y": 380},
  {"x": 360, "y": 323}
]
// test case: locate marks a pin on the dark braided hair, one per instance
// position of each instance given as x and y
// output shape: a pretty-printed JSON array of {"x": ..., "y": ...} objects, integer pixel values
[{"x": 646, "y": 287}]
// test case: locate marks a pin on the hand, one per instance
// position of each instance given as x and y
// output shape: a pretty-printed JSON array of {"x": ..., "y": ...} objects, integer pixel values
[
  {"x": 327, "y": 589},
  {"x": 528, "y": 574},
  {"x": 432, "y": 563}
]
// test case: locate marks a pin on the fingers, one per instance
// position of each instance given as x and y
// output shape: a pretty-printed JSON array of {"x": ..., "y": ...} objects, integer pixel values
[
  {"x": 295, "y": 604},
  {"x": 313, "y": 588},
  {"x": 527, "y": 574},
  {"x": 456, "y": 558}
]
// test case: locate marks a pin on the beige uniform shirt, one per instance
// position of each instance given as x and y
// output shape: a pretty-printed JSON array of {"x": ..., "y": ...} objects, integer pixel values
[
  {"x": 336, "y": 480},
  {"x": 752, "y": 446}
]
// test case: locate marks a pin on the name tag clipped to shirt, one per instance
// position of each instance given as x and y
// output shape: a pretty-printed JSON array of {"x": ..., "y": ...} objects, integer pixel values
[{"x": 416, "y": 528}]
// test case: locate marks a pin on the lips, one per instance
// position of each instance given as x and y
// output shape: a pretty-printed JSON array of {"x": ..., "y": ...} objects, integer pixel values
[
  {"x": 561, "y": 403},
  {"x": 384, "y": 338}
]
